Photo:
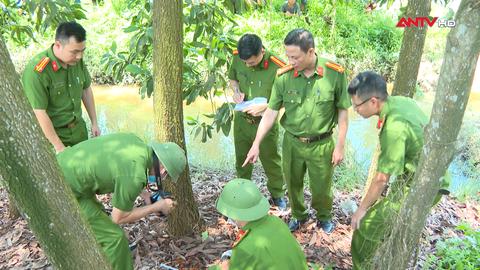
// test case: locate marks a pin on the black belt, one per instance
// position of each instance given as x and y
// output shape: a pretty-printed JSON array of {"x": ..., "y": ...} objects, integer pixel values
[
  {"x": 314, "y": 138},
  {"x": 252, "y": 120},
  {"x": 71, "y": 124}
]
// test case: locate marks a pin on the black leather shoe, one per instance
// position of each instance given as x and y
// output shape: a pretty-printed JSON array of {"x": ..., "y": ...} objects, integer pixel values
[
  {"x": 281, "y": 203},
  {"x": 327, "y": 226},
  {"x": 294, "y": 224}
]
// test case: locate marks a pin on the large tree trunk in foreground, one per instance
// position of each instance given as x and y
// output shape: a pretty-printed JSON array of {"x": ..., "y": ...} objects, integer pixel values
[
  {"x": 412, "y": 50},
  {"x": 33, "y": 178},
  {"x": 455, "y": 83},
  {"x": 168, "y": 106}
]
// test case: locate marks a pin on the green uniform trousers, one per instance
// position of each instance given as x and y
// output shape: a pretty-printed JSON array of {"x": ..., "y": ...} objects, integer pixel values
[
  {"x": 376, "y": 225},
  {"x": 316, "y": 158},
  {"x": 109, "y": 235},
  {"x": 74, "y": 135},
  {"x": 244, "y": 134}
]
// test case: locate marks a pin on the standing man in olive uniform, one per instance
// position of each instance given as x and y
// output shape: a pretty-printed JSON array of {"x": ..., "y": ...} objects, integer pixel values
[
  {"x": 264, "y": 241},
  {"x": 119, "y": 164},
  {"x": 55, "y": 81},
  {"x": 401, "y": 123},
  {"x": 252, "y": 73},
  {"x": 313, "y": 91}
]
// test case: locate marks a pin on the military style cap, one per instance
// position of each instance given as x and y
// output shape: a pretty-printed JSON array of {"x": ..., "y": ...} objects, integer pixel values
[
  {"x": 172, "y": 158},
  {"x": 241, "y": 200}
]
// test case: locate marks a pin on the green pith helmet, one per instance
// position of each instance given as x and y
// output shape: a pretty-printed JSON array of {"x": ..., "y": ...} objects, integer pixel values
[
  {"x": 171, "y": 156},
  {"x": 241, "y": 200}
]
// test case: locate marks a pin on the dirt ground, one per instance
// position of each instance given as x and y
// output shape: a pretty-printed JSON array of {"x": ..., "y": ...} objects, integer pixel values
[{"x": 20, "y": 250}]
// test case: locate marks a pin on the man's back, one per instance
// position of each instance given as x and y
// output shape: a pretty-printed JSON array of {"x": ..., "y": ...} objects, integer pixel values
[
  {"x": 268, "y": 244},
  {"x": 100, "y": 165}
]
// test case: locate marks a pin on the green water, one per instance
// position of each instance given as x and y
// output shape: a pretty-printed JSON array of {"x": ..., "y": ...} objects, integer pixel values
[{"x": 120, "y": 108}]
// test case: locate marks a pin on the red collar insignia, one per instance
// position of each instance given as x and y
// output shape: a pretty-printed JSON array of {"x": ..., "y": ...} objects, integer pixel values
[
  {"x": 380, "y": 123},
  {"x": 54, "y": 66},
  {"x": 265, "y": 64},
  {"x": 295, "y": 73},
  {"x": 240, "y": 235},
  {"x": 320, "y": 71}
]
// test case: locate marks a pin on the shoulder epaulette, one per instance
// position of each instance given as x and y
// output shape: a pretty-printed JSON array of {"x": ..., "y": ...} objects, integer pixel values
[
  {"x": 235, "y": 52},
  {"x": 335, "y": 67},
  {"x": 42, "y": 64},
  {"x": 277, "y": 61},
  {"x": 284, "y": 69}
]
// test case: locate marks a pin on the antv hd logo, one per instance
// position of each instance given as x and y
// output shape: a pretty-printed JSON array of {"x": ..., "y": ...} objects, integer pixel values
[{"x": 425, "y": 21}]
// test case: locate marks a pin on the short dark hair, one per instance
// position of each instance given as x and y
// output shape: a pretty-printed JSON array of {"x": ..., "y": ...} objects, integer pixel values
[
  {"x": 300, "y": 37},
  {"x": 66, "y": 30},
  {"x": 249, "y": 45},
  {"x": 368, "y": 84}
]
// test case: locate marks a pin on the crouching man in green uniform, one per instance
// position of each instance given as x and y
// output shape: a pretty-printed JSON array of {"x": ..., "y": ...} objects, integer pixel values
[
  {"x": 313, "y": 91},
  {"x": 55, "y": 82},
  {"x": 119, "y": 164},
  {"x": 252, "y": 73},
  {"x": 264, "y": 241},
  {"x": 401, "y": 123}
]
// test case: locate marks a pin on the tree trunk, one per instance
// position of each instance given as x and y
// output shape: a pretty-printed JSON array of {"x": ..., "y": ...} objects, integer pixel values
[
  {"x": 412, "y": 50},
  {"x": 455, "y": 83},
  {"x": 32, "y": 177},
  {"x": 168, "y": 106}
]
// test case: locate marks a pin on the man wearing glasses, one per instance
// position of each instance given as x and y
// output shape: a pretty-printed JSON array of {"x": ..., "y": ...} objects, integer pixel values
[{"x": 400, "y": 124}]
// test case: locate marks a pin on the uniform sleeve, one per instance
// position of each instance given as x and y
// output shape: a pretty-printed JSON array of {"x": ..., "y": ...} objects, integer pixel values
[
  {"x": 35, "y": 89},
  {"x": 392, "y": 150},
  {"x": 232, "y": 75},
  {"x": 126, "y": 192},
  {"x": 88, "y": 79},
  {"x": 276, "y": 97},
  {"x": 284, "y": 8},
  {"x": 342, "y": 99}
]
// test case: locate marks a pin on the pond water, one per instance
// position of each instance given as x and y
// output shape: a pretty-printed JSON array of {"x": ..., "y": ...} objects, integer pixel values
[{"x": 120, "y": 108}]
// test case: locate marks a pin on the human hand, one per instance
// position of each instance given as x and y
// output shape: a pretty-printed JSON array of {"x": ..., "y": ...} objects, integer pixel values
[
  {"x": 238, "y": 97},
  {"x": 165, "y": 206},
  {"x": 357, "y": 218},
  {"x": 252, "y": 155},
  {"x": 256, "y": 109},
  {"x": 337, "y": 156},
  {"x": 95, "y": 130}
]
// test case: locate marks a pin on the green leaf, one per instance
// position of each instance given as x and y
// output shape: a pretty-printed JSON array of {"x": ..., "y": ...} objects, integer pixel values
[
  {"x": 204, "y": 235},
  {"x": 134, "y": 69}
]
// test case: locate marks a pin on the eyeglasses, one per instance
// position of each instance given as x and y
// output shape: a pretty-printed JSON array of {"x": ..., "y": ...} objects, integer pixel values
[{"x": 363, "y": 102}]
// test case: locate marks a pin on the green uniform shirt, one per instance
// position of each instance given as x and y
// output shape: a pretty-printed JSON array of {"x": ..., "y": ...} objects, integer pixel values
[
  {"x": 267, "y": 245},
  {"x": 401, "y": 136},
  {"x": 56, "y": 89},
  {"x": 311, "y": 104},
  {"x": 254, "y": 81},
  {"x": 115, "y": 163}
]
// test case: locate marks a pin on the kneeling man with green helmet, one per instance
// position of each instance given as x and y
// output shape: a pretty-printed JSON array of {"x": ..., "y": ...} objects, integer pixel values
[
  {"x": 265, "y": 241},
  {"x": 124, "y": 165}
]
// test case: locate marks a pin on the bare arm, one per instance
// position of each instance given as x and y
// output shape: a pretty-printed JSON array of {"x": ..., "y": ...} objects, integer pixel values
[
  {"x": 121, "y": 217},
  {"x": 89, "y": 103},
  {"x": 48, "y": 129},
  {"x": 373, "y": 194},
  {"x": 268, "y": 119},
  {"x": 338, "y": 153}
]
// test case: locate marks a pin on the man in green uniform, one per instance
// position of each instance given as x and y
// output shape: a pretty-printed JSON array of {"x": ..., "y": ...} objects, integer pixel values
[
  {"x": 264, "y": 241},
  {"x": 313, "y": 91},
  {"x": 119, "y": 164},
  {"x": 401, "y": 123},
  {"x": 251, "y": 75},
  {"x": 55, "y": 81}
]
